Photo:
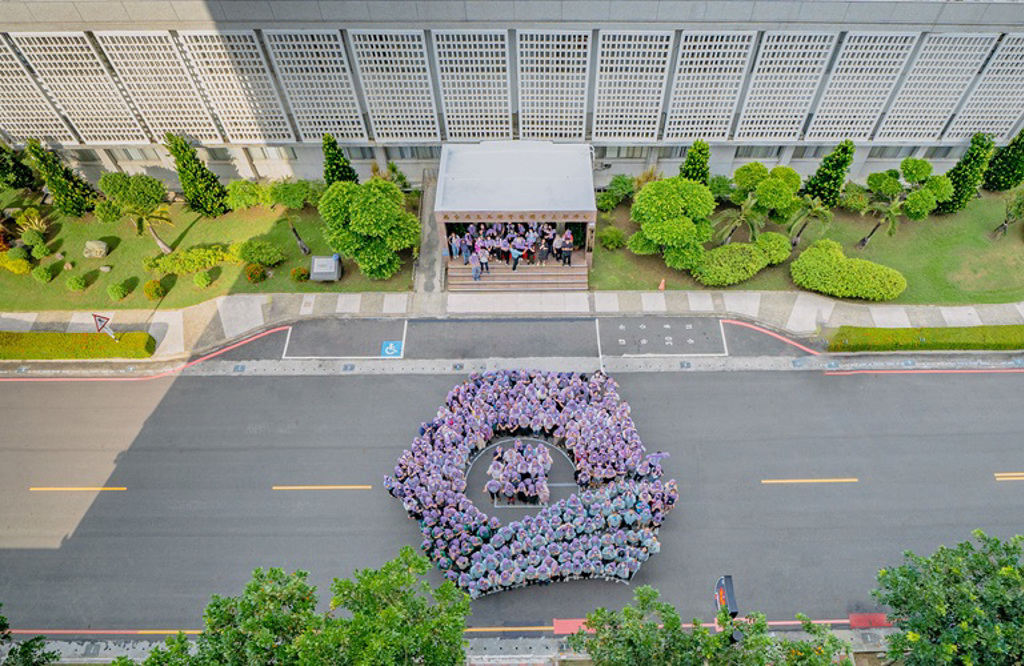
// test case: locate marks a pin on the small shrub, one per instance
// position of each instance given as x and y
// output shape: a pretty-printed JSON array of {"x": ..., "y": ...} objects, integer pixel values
[
  {"x": 151, "y": 264},
  {"x": 16, "y": 266},
  {"x": 154, "y": 290},
  {"x": 258, "y": 251},
  {"x": 721, "y": 187},
  {"x": 76, "y": 283},
  {"x": 16, "y": 253},
  {"x": 825, "y": 269},
  {"x": 854, "y": 198},
  {"x": 202, "y": 280},
  {"x": 192, "y": 260},
  {"x": 32, "y": 237},
  {"x": 612, "y": 238},
  {"x": 31, "y": 219},
  {"x": 42, "y": 274},
  {"x": 117, "y": 292},
  {"x": 255, "y": 273},
  {"x": 40, "y": 252},
  {"x": 619, "y": 189},
  {"x": 730, "y": 264},
  {"x": 108, "y": 211},
  {"x": 243, "y": 194},
  {"x": 776, "y": 247},
  {"x": 290, "y": 195},
  {"x": 300, "y": 274}
]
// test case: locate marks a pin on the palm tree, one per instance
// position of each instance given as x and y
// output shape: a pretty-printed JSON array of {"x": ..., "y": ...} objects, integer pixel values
[
  {"x": 747, "y": 214},
  {"x": 886, "y": 212},
  {"x": 148, "y": 217},
  {"x": 811, "y": 210}
]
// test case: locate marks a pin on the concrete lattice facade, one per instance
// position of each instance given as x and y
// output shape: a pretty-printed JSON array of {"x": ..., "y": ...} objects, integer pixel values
[{"x": 257, "y": 83}]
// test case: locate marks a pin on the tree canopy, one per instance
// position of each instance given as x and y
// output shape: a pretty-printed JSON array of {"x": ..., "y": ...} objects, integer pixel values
[
  {"x": 72, "y": 195},
  {"x": 32, "y": 652},
  {"x": 200, "y": 186},
  {"x": 673, "y": 218},
  {"x": 336, "y": 165}
]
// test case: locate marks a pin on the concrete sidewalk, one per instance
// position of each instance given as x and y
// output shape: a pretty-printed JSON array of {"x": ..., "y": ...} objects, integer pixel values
[{"x": 181, "y": 333}]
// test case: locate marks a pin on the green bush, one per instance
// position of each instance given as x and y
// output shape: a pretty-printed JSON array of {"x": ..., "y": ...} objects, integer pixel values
[
  {"x": 76, "y": 283},
  {"x": 290, "y": 195},
  {"x": 72, "y": 195},
  {"x": 192, "y": 260},
  {"x": 13, "y": 172},
  {"x": 854, "y": 198},
  {"x": 695, "y": 166},
  {"x": 968, "y": 173},
  {"x": 117, "y": 292},
  {"x": 200, "y": 186},
  {"x": 255, "y": 273},
  {"x": 40, "y": 252},
  {"x": 31, "y": 237},
  {"x": 300, "y": 274},
  {"x": 827, "y": 182},
  {"x": 721, "y": 187},
  {"x": 619, "y": 189},
  {"x": 16, "y": 253},
  {"x": 108, "y": 211},
  {"x": 42, "y": 274},
  {"x": 154, "y": 290},
  {"x": 243, "y": 194},
  {"x": 16, "y": 266},
  {"x": 856, "y": 338},
  {"x": 336, "y": 166},
  {"x": 824, "y": 268},
  {"x": 612, "y": 238},
  {"x": 41, "y": 345},
  {"x": 776, "y": 247},
  {"x": 730, "y": 264},
  {"x": 258, "y": 251},
  {"x": 202, "y": 280},
  {"x": 1006, "y": 168}
]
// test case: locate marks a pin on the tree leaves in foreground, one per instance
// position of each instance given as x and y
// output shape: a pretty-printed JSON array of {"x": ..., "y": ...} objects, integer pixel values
[
  {"x": 391, "y": 616},
  {"x": 961, "y": 605},
  {"x": 26, "y": 653},
  {"x": 648, "y": 632}
]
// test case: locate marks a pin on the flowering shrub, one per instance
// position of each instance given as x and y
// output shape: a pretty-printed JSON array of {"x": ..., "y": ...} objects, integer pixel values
[
  {"x": 255, "y": 273},
  {"x": 300, "y": 274},
  {"x": 154, "y": 290}
]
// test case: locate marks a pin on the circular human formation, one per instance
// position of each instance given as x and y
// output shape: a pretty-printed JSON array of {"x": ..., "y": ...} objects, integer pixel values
[
  {"x": 519, "y": 473},
  {"x": 605, "y": 531}
]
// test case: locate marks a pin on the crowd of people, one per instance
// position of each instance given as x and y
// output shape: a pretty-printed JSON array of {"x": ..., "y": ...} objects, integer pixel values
[
  {"x": 511, "y": 243},
  {"x": 519, "y": 473},
  {"x": 605, "y": 531}
]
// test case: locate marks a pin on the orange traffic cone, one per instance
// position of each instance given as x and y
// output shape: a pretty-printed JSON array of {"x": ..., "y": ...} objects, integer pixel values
[{"x": 661, "y": 287}]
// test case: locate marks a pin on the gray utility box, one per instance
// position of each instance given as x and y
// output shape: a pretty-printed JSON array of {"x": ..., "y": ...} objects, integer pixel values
[{"x": 325, "y": 268}]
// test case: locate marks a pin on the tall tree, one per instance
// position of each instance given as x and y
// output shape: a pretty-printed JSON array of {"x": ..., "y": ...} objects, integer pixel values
[
  {"x": 14, "y": 173},
  {"x": 1014, "y": 210},
  {"x": 673, "y": 218},
  {"x": 827, "y": 182},
  {"x": 915, "y": 197},
  {"x": 961, "y": 605},
  {"x": 72, "y": 195},
  {"x": 200, "y": 186},
  {"x": 138, "y": 197},
  {"x": 32, "y": 652},
  {"x": 697, "y": 166},
  {"x": 336, "y": 165},
  {"x": 369, "y": 224},
  {"x": 1006, "y": 168},
  {"x": 968, "y": 173}
]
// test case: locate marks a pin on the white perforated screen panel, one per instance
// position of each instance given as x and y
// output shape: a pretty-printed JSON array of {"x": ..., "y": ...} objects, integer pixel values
[
  {"x": 234, "y": 75},
  {"x": 998, "y": 100},
  {"x": 553, "y": 83},
  {"x": 70, "y": 69},
  {"x": 863, "y": 77},
  {"x": 785, "y": 79},
  {"x": 632, "y": 69},
  {"x": 396, "y": 83},
  {"x": 705, "y": 90},
  {"x": 154, "y": 75},
  {"x": 317, "y": 81},
  {"x": 25, "y": 112},
  {"x": 472, "y": 68},
  {"x": 941, "y": 72}
]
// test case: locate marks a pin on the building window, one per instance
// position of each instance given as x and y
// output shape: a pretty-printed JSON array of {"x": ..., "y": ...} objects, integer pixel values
[
  {"x": 621, "y": 152},
  {"x": 83, "y": 156},
  {"x": 136, "y": 154},
  {"x": 413, "y": 153},
  {"x": 672, "y": 152},
  {"x": 757, "y": 152},
  {"x": 809, "y": 152},
  {"x": 891, "y": 152},
  {"x": 267, "y": 153},
  {"x": 218, "y": 155},
  {"x": 944, "y": 153},
  {"x": 359, "y": 153}
]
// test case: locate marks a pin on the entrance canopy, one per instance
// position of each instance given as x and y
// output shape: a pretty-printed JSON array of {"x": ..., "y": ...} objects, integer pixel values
[{"x": 501, "y": 181}]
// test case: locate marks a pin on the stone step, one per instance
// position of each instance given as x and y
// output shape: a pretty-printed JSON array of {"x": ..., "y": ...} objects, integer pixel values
[{"x": 485, "y": 286}]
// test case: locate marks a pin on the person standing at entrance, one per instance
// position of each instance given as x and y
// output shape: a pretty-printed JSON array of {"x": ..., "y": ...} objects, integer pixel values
[
  {"x": 467, "y": 247},
  {"x": 557, "y": 246},
  {"x": 567, "y": 249},
  {"x": 518, "y": 247},
  {"x": 485, "y": 260},
  {"x": 474, "y": 265},
  {"x": 454, "y": 242}
]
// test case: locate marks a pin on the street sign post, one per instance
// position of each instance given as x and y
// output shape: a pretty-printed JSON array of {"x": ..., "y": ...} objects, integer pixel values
[{"x": 103, "y": 326}]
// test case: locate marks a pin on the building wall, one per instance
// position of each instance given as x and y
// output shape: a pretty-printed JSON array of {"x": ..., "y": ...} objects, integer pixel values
[{"x": 258, "y": 83}]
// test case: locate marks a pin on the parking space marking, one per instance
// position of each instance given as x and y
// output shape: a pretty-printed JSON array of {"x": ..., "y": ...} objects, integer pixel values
[
  {"x": 669, "y": 337},
  {"x": 597, "y": 330},
  {"x": 287, "y": 339},
  {"x": 767, "y": 482},
  {"x": 1009, "y": 476},
  {"x": 384, "y": 338}
]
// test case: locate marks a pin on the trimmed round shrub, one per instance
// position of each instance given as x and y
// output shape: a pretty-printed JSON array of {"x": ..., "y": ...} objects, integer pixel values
[
  {"x": 32, "y": 237},
  {"x": 612, "y": 238},
  {"x": 776, "y": 247},
  {"x": 825, "y": 269},
  {"x": 300, "y": 274},
  {"x": 154, "y": 290},
  {"x": 258, "y": 251},
  {"x": 107, "y": 211},
  {"x": 202, "y": 280},
  {"x": 117, "y": 292},
  {"x": 40, "y": 252},
  {"x": 18, "y": 266},
  {"x": 16, "y": 253},
  {"x": 42, "y": 274},
  {"x": 255, "y": 273},
  {"x": 730, "y": 264},
  {"x": 76, "y": 283}
]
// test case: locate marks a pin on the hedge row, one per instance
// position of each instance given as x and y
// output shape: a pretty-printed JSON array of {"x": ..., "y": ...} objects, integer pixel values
[
  {"x": 35, "y": 345},
  {"x": 856, "y": 338},
  {"x": 824, "y": 268}
]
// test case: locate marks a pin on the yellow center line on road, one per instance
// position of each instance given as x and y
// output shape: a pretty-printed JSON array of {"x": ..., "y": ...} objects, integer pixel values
[
  {"x": 851, "y": 479},
  {"x": 74, "y": 489},
  {"x": 1009, "y": 476},
  {"x": 321, "y": 487}
]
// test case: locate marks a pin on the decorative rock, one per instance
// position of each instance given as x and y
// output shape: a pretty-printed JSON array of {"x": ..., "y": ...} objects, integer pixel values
[
  {"x": 95, "y": 249},
  {"x": 68, "y": 266},
  {"x": 105, "y": 269},
  {"x": 58, "y": 256}
]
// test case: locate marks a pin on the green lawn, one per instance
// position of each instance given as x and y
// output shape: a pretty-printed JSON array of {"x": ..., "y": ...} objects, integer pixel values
[
  {"x": 22, "y": 292},
  {"x": 947, "y": 259}
]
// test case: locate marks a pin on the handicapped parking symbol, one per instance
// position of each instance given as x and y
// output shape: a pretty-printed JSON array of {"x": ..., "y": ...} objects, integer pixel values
[{"x": 391, "y": 348}]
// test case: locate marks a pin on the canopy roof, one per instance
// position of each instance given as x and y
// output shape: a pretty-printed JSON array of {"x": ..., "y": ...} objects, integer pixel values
[{"x": 515, "y": 176}]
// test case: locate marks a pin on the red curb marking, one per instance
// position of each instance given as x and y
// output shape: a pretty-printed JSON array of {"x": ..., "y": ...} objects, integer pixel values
[
  {"x": 965, "y": 371},
  {"x": 566, "y": 627},
  {"x": 144, "y": 378},
  {"x": 868, "y": 620},
  {"x": 773, "y": 334}
]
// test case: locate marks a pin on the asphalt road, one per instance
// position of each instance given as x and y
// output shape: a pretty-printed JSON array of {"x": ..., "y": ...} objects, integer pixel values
[{"x": 202, "y": 454}]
